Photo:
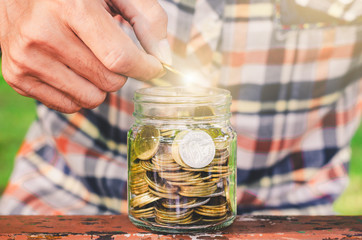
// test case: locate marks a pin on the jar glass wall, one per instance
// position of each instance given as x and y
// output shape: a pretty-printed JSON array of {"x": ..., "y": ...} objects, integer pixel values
[{"x": 181, "y": 160}]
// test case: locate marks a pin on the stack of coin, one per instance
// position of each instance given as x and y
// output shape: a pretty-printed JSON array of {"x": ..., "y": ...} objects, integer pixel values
[
  {"x": 169, "y": 216},
  {"x": 167, "y": 191},
  {"x": 146, "y": 212},
  {"x": 138, "y": 184},
  {"x": 216, "y": 208}
]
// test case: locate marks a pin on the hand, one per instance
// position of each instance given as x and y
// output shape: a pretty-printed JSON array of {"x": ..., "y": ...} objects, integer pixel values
[{"x": 69, "y": 53}]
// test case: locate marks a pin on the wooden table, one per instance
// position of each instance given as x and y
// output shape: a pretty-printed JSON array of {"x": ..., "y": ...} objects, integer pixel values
[{"x": 119, "y": 227}]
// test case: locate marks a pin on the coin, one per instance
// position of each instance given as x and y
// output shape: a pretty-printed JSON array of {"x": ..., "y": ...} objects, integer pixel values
[
  {"x": 221, "y": 175},
  {"x": 214, "y": 219},
  {"x": 172, "y": 69},
  {"x": 163, "y": 157},
  {"x": 175, "y": 148},
  {"x": 146, "y": 142},
  {"x": 143, "y": 199},
  {"x": 165, "y": 162},
  {"x": 196, "y": 148},
  {"x": 211, "y": 169},
  {"x": 147, "y": 165},
  {"x": 163, "y": 195},
  {"x": 178, "y": 176},
  {"x": 178, "y": 203},
  {"x": 168, "y": 133},
  {"x": 184, "y": 202},
  {"x": 143, "y": 212},
  {"x": 158, "y": 187},
  {"x": 185, "y": 221},
  {"x": 218, "y": 192},
  {"x": 203, "y": 111},
  {"x": 197, "y": 191},
  {"x": 191, "y": 221},
  {"x": 136, "y": 168},
  {"x": 222, "y": 153},
  {"x": 166, "y": 167},
  {"x": 214, "y": 208},
  {"x": 191, "y": 181},
  {"x": 138, "y": 185},
  {"x": 227, "y": 193},
  {"x": 170, "y": 216}
]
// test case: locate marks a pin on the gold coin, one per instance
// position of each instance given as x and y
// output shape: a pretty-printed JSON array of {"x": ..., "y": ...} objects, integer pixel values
[
  {"x": 143, "y": 199},
  {"x": 161, "y": 188},
  {"x": 183, "y": 221},
  {"x": 144, "y": 215},
  {"x": 190, "y": 204},
  {"x": 204, "y": 111},
  {"x": 210, "y": 213},
  {"x": 218, "y": 192},
  {"x": 191, "y": 181},
  {"x": 173, "y": 215},
  {"x": 163, "y": 195},
  {"x": 222, "y": 153},
  {"x": 227, "y": 193},
  {"x": 132, "y": 154},
  {"x": 136, "y": 169},
  {"x": 175, "y": 148},
  {"x": 214, "y": 203},
  {"x": 146, "y": 142},
  {"x": 163, "y": 157},
  {"x": 172, "y": 69},
  {"x": 191, "y": 221},
  {"x": 168, "y": 133},
  {"x": 169, "y": 166},
  {"x": 219, "y": 169},
  {"x": 143, "y": 212},
  {"x": 211, "y": 169},
  {"x": 219, "y": 161},
  {"x": 171, "y": 212},
  {"x": 221, "y": 139},
  {"x": 197, "y": 191},
  {"x": 166, "y": 221},
  {"x": 178, "y": 203},
  {"x": 217, "y": 219},
  {"x": 178, "y": 176},
  {"x": 147, "y": 165},
  {"x": 139, "y": 189},
  {"x": 221, "y": 175}
]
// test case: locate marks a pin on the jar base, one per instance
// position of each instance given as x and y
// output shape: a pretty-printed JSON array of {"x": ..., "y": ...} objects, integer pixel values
[{"x": 154, "y": 227}]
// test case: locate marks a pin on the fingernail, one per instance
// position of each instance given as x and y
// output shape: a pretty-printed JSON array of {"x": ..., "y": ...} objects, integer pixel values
[
  {"x": 162, "y": 73},
  {"x": 163, "y": 53}
]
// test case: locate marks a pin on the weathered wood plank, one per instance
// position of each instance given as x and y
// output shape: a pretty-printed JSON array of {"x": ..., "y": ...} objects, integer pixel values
[{"x": 119, "y": 227}]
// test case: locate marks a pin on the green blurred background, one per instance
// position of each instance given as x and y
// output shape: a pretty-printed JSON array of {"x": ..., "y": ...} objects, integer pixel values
[{"x": 17, "y": 113}]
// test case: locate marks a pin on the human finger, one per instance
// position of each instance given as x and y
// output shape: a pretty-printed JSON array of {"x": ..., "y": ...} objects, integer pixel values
[
  {"x": 149, "y": 22},
  {"x": 103, "y": 35}
]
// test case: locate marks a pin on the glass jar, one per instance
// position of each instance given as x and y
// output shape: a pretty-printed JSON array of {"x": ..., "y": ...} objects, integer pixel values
[{"x": 182, "y": 160}]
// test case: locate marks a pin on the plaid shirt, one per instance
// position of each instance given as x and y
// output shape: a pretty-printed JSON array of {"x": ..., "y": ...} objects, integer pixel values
[{"x": 294, "y": 71}]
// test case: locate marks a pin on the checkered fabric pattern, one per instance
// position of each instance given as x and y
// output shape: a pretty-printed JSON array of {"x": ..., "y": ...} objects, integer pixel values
[{"x": 297, "y": 101}]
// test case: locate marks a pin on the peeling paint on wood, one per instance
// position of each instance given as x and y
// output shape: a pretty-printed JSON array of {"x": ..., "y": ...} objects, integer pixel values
[{"x": 119, "y": 227}]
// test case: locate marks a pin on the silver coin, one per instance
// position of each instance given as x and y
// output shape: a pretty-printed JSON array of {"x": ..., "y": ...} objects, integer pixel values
[
  {"x": 197, "y": 149},
  {"x": 218, "y": 192},
  {"x": 199, "y": 203}
]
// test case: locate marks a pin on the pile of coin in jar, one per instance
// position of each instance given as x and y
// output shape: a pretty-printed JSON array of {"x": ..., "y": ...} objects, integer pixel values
[{"x": 180, "y": 177}]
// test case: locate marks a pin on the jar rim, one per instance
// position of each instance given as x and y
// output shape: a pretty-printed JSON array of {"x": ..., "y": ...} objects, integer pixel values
[{"x": 182, "y": 95}]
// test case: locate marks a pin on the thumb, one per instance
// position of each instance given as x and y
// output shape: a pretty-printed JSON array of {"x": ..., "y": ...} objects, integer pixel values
[{"x": 149, "y": 22}]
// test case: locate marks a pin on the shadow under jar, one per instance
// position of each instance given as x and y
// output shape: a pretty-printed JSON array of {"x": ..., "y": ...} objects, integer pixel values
[{"x": 182, "y": 160}]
